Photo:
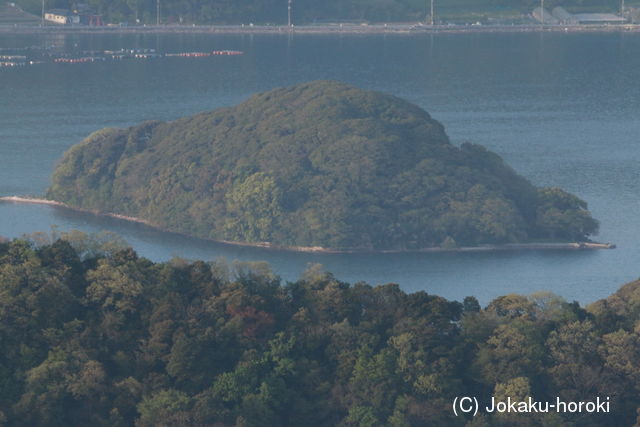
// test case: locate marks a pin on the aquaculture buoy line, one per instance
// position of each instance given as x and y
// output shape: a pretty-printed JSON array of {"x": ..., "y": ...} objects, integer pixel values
[
  {"x": 201, "y": 54},
  {"x": 32, "y": 56}
]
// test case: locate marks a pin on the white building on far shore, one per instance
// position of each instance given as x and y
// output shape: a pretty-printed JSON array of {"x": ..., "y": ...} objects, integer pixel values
[
  {"x": 560, "y": 16},
  {"x": 61, "y": 16}
]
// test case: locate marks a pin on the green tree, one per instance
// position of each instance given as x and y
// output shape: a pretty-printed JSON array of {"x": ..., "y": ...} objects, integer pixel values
[
  {"x": 165, "y": 408},
  {"x": 254, "y": 208},
  {"x": 563, "y": 215}
]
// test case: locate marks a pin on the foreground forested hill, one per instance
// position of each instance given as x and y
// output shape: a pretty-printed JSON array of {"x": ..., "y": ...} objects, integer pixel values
[
  {"x": 92, "y": 334},
  {"x": 317, "y": 164}
]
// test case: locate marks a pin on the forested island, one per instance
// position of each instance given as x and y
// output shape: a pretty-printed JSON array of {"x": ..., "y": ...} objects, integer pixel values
[
  {"x": 93, "y": 334},
  {"x": 320, "y": 164}
]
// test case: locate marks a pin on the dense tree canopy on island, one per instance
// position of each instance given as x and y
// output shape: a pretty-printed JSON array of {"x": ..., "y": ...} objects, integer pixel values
[
  {"x": 91, "y": 334},
  {"x": 317, "y": 164}
]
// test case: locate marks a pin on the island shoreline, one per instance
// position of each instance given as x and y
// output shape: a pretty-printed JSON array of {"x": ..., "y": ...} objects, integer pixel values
[{"x": 564, "y": 246}]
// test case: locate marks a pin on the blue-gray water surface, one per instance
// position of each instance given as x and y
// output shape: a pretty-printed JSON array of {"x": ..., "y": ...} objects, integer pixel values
[{"x": 562, "y": 109}]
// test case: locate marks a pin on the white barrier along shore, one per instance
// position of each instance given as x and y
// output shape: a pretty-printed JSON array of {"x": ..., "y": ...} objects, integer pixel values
[{"x": 409, "y": 28}]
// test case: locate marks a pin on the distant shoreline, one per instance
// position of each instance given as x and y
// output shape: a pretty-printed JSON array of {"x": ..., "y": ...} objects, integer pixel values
[
  {"x": 319, "y": 249},
  {"x": 327, "y": 29}
]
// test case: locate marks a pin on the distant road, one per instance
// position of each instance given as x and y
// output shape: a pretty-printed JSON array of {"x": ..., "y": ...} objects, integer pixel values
[{"x": 395, "y": 28}]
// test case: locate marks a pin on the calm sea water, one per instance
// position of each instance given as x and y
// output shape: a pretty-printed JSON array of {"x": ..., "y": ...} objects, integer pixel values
[{"x": 562, "y": 109}]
